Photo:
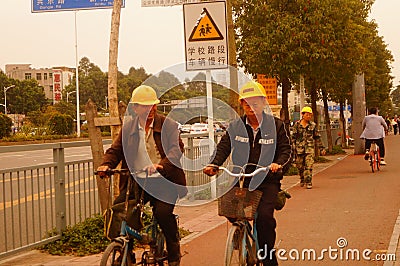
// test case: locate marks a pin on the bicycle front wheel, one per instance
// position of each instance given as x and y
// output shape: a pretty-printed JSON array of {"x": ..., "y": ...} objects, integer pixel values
[
  {"x": 113, "y": 255},
  {"x": 372, "y": 162},
  {"x": 161, "y": 253},
  {"x": 235, "y": 251},
  {"x": 378, "y": 161}
]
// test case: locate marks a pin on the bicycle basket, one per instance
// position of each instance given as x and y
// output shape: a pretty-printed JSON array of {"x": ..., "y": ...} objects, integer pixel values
[{"x": 239, "y": 203}]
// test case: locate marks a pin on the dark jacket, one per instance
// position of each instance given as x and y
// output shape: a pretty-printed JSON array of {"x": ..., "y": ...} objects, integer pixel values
[
  {"x": 169, "y": 145},
  {"x": 270, "y": 145}
]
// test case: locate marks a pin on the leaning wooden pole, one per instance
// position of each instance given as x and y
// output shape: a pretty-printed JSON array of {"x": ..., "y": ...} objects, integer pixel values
[{"x": 96, "y": 144}]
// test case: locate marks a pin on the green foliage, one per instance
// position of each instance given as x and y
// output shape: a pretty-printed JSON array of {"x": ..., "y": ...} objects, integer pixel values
[
  {"x": 321, "y": 159},
  {"x": 26, "y": 96},
  {"x": 336, "y": 150},
  {"x": 88, "y": 238},
  {"x": 83, "y": 239},
  {"x": 5, "y": 126},
  {"x": 318, "y": 39},
  {"x": 61, "y": 124}
]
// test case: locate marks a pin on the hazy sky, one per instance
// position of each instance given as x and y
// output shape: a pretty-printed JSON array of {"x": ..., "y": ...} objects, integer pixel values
[{"x": 151, "y": 37}]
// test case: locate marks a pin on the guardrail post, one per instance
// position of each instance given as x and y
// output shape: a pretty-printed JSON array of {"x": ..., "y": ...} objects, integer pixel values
[
  {"x": 190, "y": 172},
  {"x": 59, "y": 183}
]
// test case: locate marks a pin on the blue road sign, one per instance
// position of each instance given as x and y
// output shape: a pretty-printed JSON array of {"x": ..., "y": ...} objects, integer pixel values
[{"x": 63, "y": 5}]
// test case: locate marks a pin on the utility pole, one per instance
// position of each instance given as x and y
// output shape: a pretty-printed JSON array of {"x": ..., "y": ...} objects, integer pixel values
[
  {"x": 113, "y": 66},
  {"x": 5, "y": 97},
  {"x": 358, "y": 112}
]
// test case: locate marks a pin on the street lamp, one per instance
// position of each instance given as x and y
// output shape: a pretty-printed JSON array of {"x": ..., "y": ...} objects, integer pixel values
[
  {"x": 68, "y": 93},
  {"x": 5, "y": 97}
]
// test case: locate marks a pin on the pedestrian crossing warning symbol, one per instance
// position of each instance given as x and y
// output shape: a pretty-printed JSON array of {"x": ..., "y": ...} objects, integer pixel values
[{"x": 205, "y": 29}]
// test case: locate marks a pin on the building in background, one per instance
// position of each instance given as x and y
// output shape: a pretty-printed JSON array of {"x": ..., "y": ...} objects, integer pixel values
[{"x": 53, "y": 80}]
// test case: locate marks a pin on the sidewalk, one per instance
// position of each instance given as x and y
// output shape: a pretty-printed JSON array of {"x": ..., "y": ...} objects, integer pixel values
[{"x": 198, "y": 219}]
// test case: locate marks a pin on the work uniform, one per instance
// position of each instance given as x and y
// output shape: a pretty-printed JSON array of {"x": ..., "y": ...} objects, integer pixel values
[
  {"x": 161, "y": 145},
  {"x": 303, "y": 140},
  {"x": 270, "y": 143}
]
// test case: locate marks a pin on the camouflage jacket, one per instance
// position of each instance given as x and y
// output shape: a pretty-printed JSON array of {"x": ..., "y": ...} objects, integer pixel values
[{"x": 304, "y": 137}]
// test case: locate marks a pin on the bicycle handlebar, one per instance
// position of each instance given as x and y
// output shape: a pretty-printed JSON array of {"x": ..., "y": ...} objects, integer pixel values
[
  {"x": 259, "y": 170},
  {"x": 110, "y": 172}
]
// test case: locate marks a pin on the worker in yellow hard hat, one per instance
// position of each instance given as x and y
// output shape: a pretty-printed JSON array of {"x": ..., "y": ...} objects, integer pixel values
[
  {"x": 306, "y": 109},
  {"x": 257, "y": 139},
  {"x": 304, "y": 136},
  {"x": 151, "y": 142}
]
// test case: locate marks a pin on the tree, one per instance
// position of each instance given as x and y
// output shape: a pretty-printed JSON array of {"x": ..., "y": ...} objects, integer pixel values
[
  {"x": 61, "y": 124},
  {"x": 395, "y": 94},
  {"x": 92, "y": 84},
  {"x": 25, "y": 97},
  {"x": 5, "y": 126}
]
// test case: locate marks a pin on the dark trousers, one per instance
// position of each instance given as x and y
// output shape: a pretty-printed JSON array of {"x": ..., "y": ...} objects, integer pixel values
[
  {"x": 380, "y": 143},
  {"x": 163, "y": 212},
  {"x": 266, "y": 223}
]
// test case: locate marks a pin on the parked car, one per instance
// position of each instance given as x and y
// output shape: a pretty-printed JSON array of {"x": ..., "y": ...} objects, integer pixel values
[
  {"x": 185, "y": 128},
  {"x": 199, "y": 128}
]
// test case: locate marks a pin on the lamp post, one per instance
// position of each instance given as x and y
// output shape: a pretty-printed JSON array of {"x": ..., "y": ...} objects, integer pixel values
[
  {"x": 68, "y": 93},
  {"x": 5, "y": 97}
]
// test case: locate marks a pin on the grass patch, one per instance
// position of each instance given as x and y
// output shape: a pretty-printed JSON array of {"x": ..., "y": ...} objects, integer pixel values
[
  {"x": 321, "y": 159},
  {"x": 82, "y": 239},
  {"x": 336, "y": 150},
  {"x": 85, "y": 238}
]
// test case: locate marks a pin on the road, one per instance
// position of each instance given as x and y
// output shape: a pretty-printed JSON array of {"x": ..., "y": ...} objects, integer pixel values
[
  {"x": 348, "y": 206},
  {"x": 348, "y": 210},
  {"x": 19, "y": 159}
]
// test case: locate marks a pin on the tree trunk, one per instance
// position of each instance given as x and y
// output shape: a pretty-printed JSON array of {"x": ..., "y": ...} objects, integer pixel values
[
  {"x": 313, "y": 94},
  {"x": 286, "y": 86},
  {"x": 343, "y": 125},
  {"x": 113, "y": 66},
  {"x": 327, "y": 121}
]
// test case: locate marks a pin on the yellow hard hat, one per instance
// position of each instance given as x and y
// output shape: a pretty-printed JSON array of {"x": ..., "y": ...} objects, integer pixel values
[
  {"x": 144, "y": 95},
  {"x": 251, "y": 89},
  {"x": 306, "y": 109}
]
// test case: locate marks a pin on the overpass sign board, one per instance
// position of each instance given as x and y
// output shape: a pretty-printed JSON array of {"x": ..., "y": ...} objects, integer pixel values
[{"x": 64, "y": 5}]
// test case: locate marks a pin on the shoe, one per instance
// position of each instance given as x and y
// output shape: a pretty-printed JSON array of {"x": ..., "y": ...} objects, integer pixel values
[
  {"x": 382, "y": 162},
  {"x": 366, "y": 155},
  {"x": 309, "y": 186},
  {"x": 302, "y": 182}
]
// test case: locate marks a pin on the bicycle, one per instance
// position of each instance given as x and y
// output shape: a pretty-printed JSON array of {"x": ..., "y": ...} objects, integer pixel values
[
  {"x": 349, "y": 140},
  {"x": 241, "y": 245},
  {"x": 374, "y": 157},
  {"x": 151, "y": 236}
]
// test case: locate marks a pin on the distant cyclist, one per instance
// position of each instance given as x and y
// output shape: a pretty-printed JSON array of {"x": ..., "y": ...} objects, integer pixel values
[{"x": 374, "y": 128}]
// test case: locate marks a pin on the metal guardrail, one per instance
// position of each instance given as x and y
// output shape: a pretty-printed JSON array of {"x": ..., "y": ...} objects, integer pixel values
[{"x": 38, "y": 202}]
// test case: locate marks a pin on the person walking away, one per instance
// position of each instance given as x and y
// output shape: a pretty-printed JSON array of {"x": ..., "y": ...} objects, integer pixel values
[
  {"x": 304, "y": 137},
  {"x": 257, "y": 139},
  {"x": 395, "y": 125},
  {"x": 149, "y": 141},
  {"x": 374, "y": 128},
  {"x": 398, "y": 123}
]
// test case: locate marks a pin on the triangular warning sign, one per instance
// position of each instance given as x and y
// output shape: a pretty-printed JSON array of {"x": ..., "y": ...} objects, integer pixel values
[{"x": 205, "y": 29}]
